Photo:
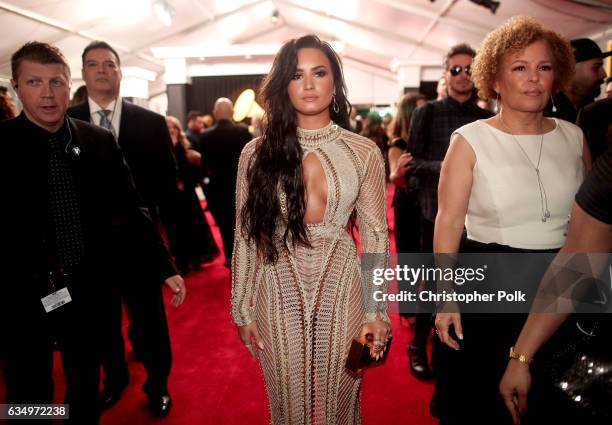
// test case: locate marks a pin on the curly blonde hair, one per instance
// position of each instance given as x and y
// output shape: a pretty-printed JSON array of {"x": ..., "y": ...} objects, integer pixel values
[{"x": 514, "y": 36}]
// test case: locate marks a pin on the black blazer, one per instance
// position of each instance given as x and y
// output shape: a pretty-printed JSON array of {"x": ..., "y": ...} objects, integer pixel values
[
  {"x": 112, "y": 215},
  {"x": 221, "y": 146},
  {"x": 147, "y": 148}
]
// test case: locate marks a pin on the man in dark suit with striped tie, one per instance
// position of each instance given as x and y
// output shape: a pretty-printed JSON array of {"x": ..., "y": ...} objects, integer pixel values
[{"x": 145, "y": 141}]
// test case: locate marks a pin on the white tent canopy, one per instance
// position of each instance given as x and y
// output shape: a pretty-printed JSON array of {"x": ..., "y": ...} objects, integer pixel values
[{"x": 385, "y": 44}]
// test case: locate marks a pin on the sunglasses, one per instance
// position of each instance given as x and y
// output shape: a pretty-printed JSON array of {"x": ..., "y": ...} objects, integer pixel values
[{"x": 456, "y": 70}]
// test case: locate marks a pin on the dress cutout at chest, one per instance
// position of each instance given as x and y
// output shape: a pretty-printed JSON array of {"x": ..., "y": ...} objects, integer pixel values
[{"x": 310, "y": 303}]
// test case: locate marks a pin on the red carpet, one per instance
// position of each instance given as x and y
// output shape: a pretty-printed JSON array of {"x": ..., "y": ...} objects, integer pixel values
[{"x": 214, "y": 380}]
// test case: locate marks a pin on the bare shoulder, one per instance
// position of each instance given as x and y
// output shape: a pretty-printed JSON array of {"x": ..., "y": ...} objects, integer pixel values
[{"x": 460, "y": 151}]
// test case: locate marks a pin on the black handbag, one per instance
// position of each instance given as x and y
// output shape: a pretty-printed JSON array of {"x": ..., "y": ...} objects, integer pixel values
[{"x": 580, "y": 366}]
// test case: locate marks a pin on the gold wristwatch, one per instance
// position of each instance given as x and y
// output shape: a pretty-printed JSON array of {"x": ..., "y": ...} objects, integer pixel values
[{"x": 520, "y": 357}]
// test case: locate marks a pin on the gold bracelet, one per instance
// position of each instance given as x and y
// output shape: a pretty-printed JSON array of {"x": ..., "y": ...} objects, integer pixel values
[{"x": 520, "y": 357}]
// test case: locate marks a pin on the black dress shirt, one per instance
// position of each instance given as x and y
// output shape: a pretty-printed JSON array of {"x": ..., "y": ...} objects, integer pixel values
[
  {"x": 194, "y": 139},
  {"x": 565, "y": 109},
  {"x": 595, "y": 194},
  {"x": 595, "y": 121},
  {"x": 430, "y": 129},
  {"x": 112, "y": 215}
]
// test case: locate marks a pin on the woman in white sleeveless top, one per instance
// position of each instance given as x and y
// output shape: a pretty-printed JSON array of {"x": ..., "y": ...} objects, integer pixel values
[{"x": 510, "y": 180}]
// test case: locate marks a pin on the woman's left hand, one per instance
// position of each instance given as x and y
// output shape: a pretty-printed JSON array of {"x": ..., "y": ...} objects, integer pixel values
[
  {"x": 514, "y": 387},
  {"x": 381, "y": 332},
  {"x": 398, "y": 174},
  {"x": 403, "y": 163}
]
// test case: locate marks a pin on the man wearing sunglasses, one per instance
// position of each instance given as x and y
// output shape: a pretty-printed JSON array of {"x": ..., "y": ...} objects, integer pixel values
[{"x": 430, "y": 129}]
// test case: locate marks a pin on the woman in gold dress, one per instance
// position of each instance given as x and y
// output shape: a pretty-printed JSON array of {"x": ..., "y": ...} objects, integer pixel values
[{"x": 297, "y": 295}]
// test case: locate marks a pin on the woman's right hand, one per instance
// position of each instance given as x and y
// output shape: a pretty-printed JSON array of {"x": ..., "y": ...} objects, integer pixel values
[
  {"x": 250, "y": 338},
  {"x": 443, "y": 322}
]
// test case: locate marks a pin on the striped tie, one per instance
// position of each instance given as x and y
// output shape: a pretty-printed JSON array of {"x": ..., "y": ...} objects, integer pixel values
[{"x": 105, "y": 122}]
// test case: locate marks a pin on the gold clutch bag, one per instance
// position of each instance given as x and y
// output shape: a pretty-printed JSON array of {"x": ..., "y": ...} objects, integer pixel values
[{"x": 359, "y": 357}]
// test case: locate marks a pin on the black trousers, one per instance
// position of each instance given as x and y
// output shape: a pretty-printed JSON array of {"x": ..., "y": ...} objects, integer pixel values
[
  {"x": 224, "y": 213},
  {"x": 407, "y": 222},
  {"x": 427, "y": 235},
  {"x": 26, "y": 356},
  {"x": 150, "y": 337}
]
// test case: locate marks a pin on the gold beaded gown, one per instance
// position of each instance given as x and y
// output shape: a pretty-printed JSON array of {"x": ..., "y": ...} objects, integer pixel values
[{"x": 310, "y": 303}]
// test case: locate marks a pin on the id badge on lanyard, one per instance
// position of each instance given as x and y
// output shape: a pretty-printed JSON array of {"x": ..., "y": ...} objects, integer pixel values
[{"x": 57, "y": 298}]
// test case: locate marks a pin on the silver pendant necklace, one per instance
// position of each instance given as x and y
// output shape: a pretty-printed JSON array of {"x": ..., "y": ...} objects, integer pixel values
[{"x": 536, "y": 167}]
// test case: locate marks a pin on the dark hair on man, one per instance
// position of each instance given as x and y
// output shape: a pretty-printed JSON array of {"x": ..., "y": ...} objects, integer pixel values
[
  {"x": 278, "y": 156},
  {"x": 459, "y": 49},
  {"x": 37, "y": 52},
  {"x": 193, "y": 114},
  {"x": 98, "y": 44},
  {"x": 608, "y": 80}
]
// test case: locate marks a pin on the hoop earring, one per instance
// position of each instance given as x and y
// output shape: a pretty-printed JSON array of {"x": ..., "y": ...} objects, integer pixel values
[
  {"x": 554, "y": 108},
  {"x": 335, "y": 106}
]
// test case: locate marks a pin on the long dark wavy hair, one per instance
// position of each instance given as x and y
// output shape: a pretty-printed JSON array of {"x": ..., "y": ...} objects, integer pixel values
[{"x": 277, "y": 163}]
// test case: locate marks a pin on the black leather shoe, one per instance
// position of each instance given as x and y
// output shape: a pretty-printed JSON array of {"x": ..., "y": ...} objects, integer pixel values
[
  {"x": 109, "y": 397},
  {"x": 417, "y": 360},
  {"x": 160, "y": 405}
]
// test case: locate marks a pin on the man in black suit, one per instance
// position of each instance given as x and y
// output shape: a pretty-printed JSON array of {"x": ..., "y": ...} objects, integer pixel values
[
  {"x": 220, "y": 147},
  {"x": 195, "y": 126},
  {"x": 69, "y": 202},
  {"x": 144, "y": 139}
]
